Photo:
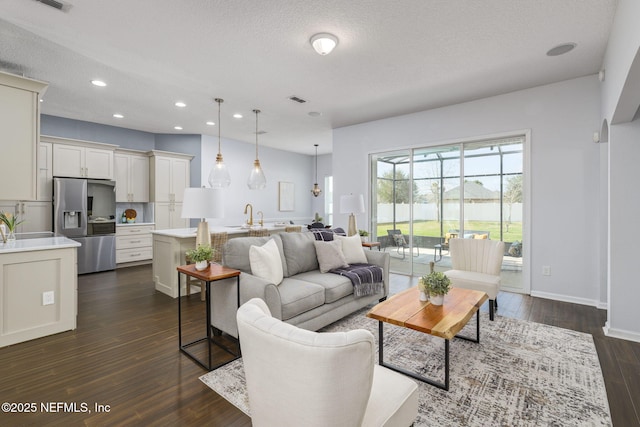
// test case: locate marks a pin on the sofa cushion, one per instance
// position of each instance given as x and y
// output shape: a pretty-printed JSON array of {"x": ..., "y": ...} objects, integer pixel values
[
  {"x": 299, "y": 253},
  {"x": 352, "y": 249},
  {"x": 298, "y": 296},
  {"x": 330, "y": 255},
  {"x": 266, "y": 262},
  {"x": 235, "y": 253},
  {"x": 335, "y": 286}
]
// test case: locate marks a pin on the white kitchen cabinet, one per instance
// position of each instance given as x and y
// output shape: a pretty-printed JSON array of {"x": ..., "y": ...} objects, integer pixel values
[
  {"x": 81, "y": 159},
  {"x": 134, "y": 243},
  {"x": 19, "y": 132},
  {"x": 170, "y": 175},
  {"x": 37, "y": 216},
  {"x": 167, "y": 216},
  {"x": 132, "y": 176},
  {"x": 44, "y": 184}
]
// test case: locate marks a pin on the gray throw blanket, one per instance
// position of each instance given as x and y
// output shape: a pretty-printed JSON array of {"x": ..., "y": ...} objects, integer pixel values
[{"x": 366, "y": 278}]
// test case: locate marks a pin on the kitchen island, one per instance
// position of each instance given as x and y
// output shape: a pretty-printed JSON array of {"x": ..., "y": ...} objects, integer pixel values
[
  {"x": 38, "y": 287},
  {"x": 169, "y": 247}
]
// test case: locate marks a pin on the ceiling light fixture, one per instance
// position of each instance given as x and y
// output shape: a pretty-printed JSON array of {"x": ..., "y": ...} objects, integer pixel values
[
  {"x": 316, "y": 188},
  {"x": 257, "y": 180},
  {"x": 219, "y": 176},
  {"x": 177, "y": 127},
  {"x": 561, "y": 49},
  {"x": 210, "y": 123},
  {"x": 98, "y": 83},
  {"x": 323, "y": 43},
  {"x": 180, "y": 104},
  {"x": 118, "y": 116},
  {"x": 237, "y": 116}
]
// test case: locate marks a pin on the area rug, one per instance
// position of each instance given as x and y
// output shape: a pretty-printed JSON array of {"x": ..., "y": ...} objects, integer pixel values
[{"x": 520, "y": 374}]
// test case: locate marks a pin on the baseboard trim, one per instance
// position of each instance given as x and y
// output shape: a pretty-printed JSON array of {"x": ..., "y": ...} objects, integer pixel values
[
  {"x": 565, "y": 298},
  {"x": 620, "y": 333}
]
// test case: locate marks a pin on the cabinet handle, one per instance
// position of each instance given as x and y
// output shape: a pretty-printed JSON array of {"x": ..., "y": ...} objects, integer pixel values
[
  {"x": 138, "y": 254},
  {"x": 22, "y": 210},
  {"x": 134, "y": 241},
  {"x": 134, "y": 231}
]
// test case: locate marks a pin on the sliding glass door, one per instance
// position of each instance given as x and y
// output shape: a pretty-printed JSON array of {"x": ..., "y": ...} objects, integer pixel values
[{"x": 424, "y": 197}]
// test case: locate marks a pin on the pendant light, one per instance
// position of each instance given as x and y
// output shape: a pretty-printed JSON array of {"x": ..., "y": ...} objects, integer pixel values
[
  {"x": 316, "y": 189},
  {"x": 257, "y": 180},
  {"x": 219, "y": 176}
]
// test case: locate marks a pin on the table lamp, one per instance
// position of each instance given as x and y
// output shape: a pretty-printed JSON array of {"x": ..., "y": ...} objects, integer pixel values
[
  {"x": 202, "y": 203},
  {"x": 352, "y": 205}
]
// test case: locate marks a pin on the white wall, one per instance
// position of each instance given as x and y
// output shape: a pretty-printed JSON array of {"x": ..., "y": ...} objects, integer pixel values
[
  {"x": 278, "y": 166},
  {"x": 564, "y": 171},
  {"x": 621, "y": 97},
  {"x": 324, "y": 170}
]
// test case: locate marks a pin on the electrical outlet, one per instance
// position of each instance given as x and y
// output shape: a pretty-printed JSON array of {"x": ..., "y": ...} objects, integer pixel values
[
  {"x": 48, "y": 298},
  {"x": 546, "y": 270}
]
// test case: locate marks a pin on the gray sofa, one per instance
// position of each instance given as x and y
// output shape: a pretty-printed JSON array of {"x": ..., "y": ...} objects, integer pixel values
[{"x": 306, "y": 297}]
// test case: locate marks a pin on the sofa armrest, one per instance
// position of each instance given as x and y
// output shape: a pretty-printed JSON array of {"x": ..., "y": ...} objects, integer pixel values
[
  {"x": 383, "y": 260},
  {"x": 224, "y": 300}
]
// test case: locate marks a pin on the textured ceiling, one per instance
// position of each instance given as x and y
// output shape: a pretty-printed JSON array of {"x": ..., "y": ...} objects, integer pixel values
[{"x": 393, "y": 57}]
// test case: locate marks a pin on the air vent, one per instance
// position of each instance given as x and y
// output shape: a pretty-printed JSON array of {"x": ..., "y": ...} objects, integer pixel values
[
  {"x": 298, "y": 100},
  {"x": 53, "y": 3}
]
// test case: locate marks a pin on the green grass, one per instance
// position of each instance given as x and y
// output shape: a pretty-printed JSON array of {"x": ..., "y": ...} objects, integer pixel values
[{"x": 432, "y": 228}]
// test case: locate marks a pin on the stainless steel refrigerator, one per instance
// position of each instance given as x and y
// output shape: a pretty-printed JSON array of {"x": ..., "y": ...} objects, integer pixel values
[{"x": 84, "y": 210}]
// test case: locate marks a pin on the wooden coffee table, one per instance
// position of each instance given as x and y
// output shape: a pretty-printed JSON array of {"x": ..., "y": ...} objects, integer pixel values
[{"x": 405, "y": 309}]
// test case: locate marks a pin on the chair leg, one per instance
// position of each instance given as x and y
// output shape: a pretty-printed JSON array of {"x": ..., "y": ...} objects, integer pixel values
[
  {"x": 496, "y": 303},
  {"x": 492, "y": 309}
]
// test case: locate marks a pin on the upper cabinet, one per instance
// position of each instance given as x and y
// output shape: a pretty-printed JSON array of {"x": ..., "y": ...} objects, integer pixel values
[
  {"x": 132, "y": 176},
  {"x": 19, "y": 130},
  {"x": 81, "y": 159},
  {"x": 44, "y": 185},
  {"x": 170, "y": 174}
]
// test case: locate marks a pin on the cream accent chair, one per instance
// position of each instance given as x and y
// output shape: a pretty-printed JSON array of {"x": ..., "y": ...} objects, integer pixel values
[
  {"x": 476, "y": 265},
  {"x": 299, "y": 378}
]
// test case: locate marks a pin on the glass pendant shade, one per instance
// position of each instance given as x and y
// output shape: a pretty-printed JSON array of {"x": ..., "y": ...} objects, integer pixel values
[
  {"x": 219, "y": 176},
  {"x": 257, "y": 180}
]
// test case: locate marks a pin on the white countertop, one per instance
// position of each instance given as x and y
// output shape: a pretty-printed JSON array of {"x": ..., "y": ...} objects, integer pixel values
[
  {"x": 41, "y": 244},
  {"x": 133, "y": 224},
  {"x": 184, "y": 233}
]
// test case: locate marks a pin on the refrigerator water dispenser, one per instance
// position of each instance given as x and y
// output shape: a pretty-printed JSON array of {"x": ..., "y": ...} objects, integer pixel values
[{"x": 71, "y": 219}]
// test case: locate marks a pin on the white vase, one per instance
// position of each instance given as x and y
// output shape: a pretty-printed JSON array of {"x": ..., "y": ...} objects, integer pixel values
[
  {"x": 202, "y": 265},
  {"x": 437, "y": 299},
  {"x": 424, "y": 296}
]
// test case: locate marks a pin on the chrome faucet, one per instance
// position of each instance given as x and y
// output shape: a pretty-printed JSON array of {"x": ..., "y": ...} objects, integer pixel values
[
  {"x": 248, "y": 206},
  {"x": 261, "y": 222}
]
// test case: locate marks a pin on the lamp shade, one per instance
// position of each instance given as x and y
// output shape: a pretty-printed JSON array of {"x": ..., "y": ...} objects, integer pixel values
[
  {"x": 202, "y": 203},
  {"x": 351, "y": 204}
]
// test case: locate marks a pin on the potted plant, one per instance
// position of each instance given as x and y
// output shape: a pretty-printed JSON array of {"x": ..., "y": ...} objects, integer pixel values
[
  {"x": 363, "y": 235},
  {"x": 436, "y": 285},
  {"x": 201, "y": 256},
  {"x": 11, "y": 222}
]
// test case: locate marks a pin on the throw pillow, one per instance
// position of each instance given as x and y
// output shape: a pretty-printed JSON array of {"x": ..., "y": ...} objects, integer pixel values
[
  {"x": 330, "y": 255},
  {"x": 265, "y": 262},
  {"x": 352, "y": 249}
]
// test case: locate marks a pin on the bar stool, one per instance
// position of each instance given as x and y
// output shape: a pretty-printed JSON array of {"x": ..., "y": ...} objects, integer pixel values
[
  {"x": 258, "y": 233},
  {"x": 293, "y": 229}
]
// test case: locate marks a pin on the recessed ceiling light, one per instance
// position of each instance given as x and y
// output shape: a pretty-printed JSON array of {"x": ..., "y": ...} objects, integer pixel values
[
  {"x": 180, "y": 104},
  {"x": 211, "y": 123},
  {"x": 118, "y": 116},
  {"x": 41, "y": 100},
  {"x": 237, "y": 115},
  {"x": 98, "y": 83},
  {"x": 314, "y": 113},
  {"x": 177, "y": 127},
  {"x": 561, "y": 49}
]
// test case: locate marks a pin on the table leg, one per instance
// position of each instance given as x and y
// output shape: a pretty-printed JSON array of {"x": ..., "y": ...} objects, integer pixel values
[
  {"x": 381, "y": 362},
  {"x": 477, "y": 338}
]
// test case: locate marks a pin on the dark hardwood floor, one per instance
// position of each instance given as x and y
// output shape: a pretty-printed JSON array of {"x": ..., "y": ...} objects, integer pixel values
[{"x": 124, "y": 355}]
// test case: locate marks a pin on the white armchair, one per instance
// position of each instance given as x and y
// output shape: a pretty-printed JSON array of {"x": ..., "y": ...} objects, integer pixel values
[
  {"x": 297, "y": 377},
  {"x": 476, "y": 265}
]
